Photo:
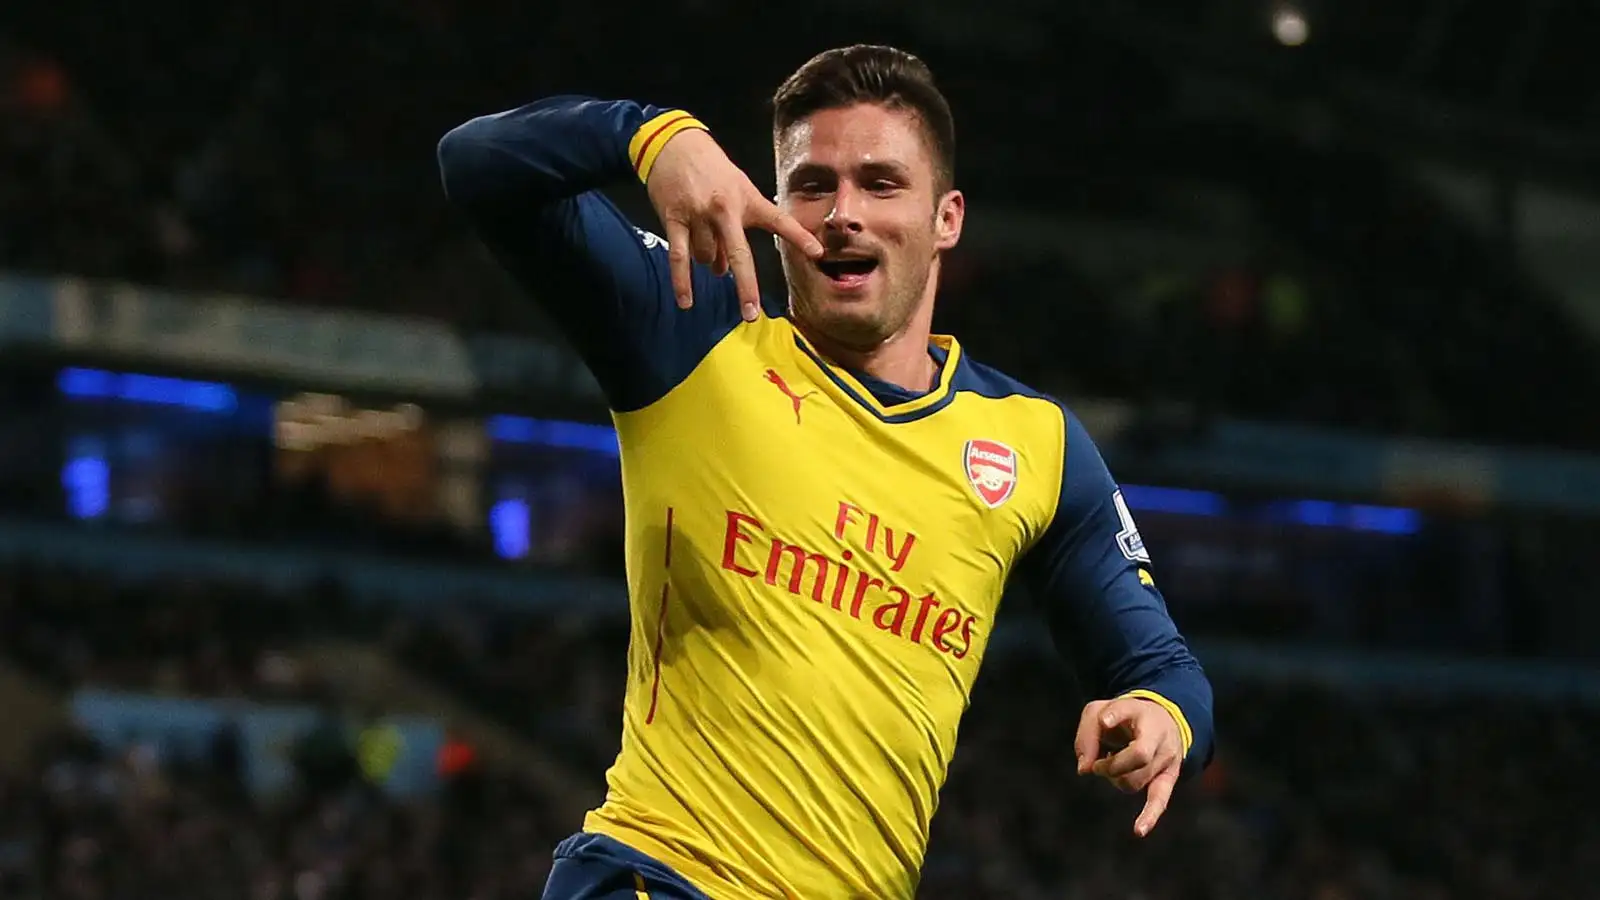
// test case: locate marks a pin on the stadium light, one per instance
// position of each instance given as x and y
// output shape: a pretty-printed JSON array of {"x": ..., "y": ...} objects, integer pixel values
[
  {"x": 509, "y": 526},
  {"x": 1289, "y": 26}
]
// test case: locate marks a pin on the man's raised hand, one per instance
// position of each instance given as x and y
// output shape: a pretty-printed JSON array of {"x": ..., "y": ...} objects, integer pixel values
[{"x": 705, "y": 203}]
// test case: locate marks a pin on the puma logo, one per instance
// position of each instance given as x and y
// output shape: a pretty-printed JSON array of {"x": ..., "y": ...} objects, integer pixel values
[{"x": 794, "y": 399}]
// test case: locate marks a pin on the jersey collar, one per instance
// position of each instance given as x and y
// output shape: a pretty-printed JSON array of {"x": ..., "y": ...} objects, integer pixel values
[{"x": 887, "y": 402}]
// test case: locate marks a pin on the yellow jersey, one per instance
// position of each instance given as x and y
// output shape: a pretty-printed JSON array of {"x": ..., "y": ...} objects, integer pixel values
[{"x": 815, "y": 559}]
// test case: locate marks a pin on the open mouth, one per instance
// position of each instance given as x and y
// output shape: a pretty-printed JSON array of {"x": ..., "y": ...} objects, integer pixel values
[{"x": 847, "y": 271}]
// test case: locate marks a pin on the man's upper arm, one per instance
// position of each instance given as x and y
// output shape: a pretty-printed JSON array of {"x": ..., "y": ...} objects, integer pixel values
[
  {"x": 529, "y": 180},
  {"x": 1092, "y": 575}
]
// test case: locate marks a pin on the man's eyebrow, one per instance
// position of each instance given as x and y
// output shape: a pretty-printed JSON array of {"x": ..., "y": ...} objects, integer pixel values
[
  {"x": 890, "y": 168},
  {"x": 893, "y": 169},
  {"x": 810, "y": 170}
]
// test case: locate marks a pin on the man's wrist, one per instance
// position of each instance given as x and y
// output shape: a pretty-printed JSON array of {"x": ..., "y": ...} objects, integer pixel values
[
  {"x": 648, "y": 141},
  {"x": 1185, "y": 733}
]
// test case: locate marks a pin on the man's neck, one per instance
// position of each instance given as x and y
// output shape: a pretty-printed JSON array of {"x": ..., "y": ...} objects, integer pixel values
[{"x": 903, "y": 360}]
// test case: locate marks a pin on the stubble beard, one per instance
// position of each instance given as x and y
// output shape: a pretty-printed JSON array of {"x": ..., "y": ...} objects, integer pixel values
[{"x": 858, "y": 328}]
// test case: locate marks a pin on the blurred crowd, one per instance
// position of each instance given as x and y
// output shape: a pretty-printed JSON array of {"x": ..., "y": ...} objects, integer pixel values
[
  {"x": 288, "y": 152},
  {"x": 178, "y": 636},
  {"x": 85, "y": 823},
  {"x": 1317, "y": 793}
]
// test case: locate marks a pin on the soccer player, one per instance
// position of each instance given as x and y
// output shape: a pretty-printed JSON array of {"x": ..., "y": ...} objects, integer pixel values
[{"x": 824, "y": 500}]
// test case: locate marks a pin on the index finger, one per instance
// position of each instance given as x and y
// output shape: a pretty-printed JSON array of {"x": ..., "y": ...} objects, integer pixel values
[
  {"x": 1129, "y": 759},
  {"x": 1157, "y": 796},
  {"x": 769, "y": 217}
]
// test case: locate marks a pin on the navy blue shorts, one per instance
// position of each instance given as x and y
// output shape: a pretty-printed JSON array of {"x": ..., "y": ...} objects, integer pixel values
[{"x": 596, "y": 867}]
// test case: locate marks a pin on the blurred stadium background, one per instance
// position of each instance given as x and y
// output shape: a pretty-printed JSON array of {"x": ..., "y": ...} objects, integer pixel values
[{"x": 309, "y": 526}]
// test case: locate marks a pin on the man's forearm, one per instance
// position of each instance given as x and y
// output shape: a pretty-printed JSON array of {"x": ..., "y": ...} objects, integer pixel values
[{"x": 554, "y": 149}]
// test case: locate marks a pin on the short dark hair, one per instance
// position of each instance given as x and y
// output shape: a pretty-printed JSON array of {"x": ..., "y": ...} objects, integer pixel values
[{"x": 866, "y": 73}]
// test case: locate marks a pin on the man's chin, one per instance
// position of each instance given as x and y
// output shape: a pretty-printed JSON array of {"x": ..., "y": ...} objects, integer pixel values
[
  {"x": 827, "y": 305},
  {"x": 852, "y": 325}
]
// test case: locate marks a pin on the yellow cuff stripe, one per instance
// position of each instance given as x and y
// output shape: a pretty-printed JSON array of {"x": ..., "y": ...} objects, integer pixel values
[
  {"x": 639, "y": 891},
  {"x": 1169, "y": 706},
  {"x": 653, "y": 135}
]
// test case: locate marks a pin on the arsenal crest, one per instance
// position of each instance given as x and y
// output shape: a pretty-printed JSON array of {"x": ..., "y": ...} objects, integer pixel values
[{"x": 992, "y": 470}]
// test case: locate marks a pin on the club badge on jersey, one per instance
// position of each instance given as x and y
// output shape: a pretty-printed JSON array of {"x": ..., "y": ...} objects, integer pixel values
[{"x": 992, "y": 470}]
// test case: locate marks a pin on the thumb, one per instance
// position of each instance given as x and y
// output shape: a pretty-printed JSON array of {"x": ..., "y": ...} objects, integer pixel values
[{"x": 1120, "y": 713}]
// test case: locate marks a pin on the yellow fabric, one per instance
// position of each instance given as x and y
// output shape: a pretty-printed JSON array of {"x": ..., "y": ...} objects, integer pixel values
[
  {"x": 653, "y": 135},
  {"x": 812, "y": 590}
]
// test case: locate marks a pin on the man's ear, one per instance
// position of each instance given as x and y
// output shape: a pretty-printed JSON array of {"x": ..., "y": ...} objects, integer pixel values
[{"x": 949, "y": 217}]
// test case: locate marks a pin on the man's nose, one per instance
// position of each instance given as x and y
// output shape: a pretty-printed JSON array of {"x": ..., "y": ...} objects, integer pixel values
[{"x": 846, "y": 213}]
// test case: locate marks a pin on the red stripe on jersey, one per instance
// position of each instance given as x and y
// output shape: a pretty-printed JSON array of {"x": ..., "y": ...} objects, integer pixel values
[
  {"x": 661, "y": 622},
  {"x": 644, "y": 148}
]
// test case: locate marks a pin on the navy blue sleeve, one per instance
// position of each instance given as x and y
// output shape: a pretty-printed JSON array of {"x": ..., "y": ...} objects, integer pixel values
[
  {"x": 528, "y": 179},
  {"x": 1092, "y": 574}
]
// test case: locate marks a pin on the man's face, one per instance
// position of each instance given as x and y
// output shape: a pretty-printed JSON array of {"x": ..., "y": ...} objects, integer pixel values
[{"x": 862, "y": 179}]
